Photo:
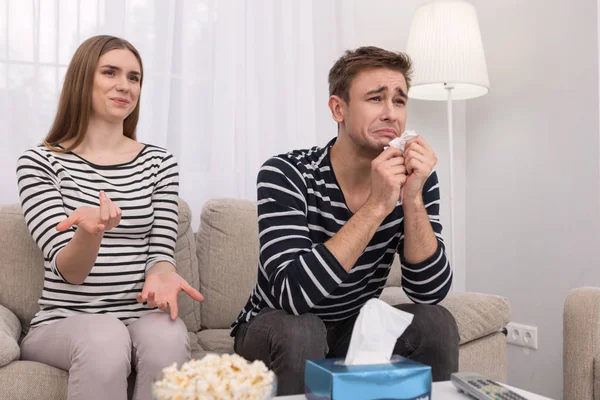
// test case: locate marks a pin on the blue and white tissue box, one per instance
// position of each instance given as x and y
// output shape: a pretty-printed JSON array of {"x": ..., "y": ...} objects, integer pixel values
[{"x": 401, "y": 379}]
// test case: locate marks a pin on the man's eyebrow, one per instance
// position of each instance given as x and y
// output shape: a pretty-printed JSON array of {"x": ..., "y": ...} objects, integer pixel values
[
  {"x": 383, "y": 88},
  {"x": 376, "y": 91}
]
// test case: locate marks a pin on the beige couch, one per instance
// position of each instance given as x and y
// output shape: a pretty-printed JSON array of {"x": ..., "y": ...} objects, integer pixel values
[
  {"x": 581, "y": 345},
  {"x": 220, "y": 260}
]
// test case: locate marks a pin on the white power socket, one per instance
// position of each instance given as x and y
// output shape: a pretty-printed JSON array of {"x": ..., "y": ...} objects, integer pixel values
[{"x": 522, "y": 335}]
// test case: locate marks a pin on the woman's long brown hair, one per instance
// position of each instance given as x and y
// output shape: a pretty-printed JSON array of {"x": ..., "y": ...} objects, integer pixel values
[{"x": 75, "y": 104}]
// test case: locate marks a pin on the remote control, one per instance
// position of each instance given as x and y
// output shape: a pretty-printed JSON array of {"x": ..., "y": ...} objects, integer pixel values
[{"x": 481, "y": 388}]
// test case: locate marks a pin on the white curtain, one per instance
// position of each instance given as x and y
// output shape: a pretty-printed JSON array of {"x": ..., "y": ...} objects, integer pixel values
[{"x": 228, "y": 83}]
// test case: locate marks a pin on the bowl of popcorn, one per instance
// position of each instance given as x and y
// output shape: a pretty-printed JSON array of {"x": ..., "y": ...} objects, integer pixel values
[{"x": 216, "y": 377}]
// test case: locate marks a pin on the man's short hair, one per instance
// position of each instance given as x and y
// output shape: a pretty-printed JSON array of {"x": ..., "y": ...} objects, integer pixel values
[{"x": 354, "y": 61}]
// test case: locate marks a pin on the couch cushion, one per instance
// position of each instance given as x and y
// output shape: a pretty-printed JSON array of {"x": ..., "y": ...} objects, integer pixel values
[
  {"x": 187, "y": 267},
  {"x": 227, "y": 243},
  {"x": 32, "y": 381},
  {"x": 395, "y": 276},
  {"x": 10, "y": 332},
  {"x": 22, "y": 266},
  {"x": 216, "y": 340},
  {"x": 476, "y": 314}
]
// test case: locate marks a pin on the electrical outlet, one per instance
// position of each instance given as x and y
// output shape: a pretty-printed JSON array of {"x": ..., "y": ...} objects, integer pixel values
[{"x": 522, "y": 335}]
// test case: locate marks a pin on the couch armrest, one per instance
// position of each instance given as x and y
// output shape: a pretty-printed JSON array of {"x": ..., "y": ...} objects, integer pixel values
[
  {"x": 597, "y": 377},
  {"x": 10, "y": 330},
  {"x": 581, "y": 343},
  {"x": 476, "y": 314}
]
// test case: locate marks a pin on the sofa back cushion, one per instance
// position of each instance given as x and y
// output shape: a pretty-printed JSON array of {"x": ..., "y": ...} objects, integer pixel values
[
  {"x": 22, "y": 266},
  {"x": 187, "y": 267},
  {"x": 227, "y": 243}
]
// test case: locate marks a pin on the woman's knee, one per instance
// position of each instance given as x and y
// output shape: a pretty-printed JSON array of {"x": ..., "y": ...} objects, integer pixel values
[
  {"x": 158, "y": 327},
  {"x": 103, "y": 332},
  {"x": 157, "y": 339},
  {"x": 104, "y": 347}
]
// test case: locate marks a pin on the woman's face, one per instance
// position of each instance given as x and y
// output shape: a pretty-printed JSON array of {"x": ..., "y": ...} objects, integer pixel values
[{"x": 116, "y": 85}]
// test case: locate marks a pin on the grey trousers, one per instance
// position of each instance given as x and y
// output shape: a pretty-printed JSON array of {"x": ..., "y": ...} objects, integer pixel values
[
  {"x": 99, "y": 351},
  {"x": 284, "y": 342}
]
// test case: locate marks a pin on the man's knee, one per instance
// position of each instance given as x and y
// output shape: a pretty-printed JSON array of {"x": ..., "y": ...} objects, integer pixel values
[
  {"x": 432, "y": 331},
  {"x": 285, "y": 335},
  {"x": 301, "y": 331}
]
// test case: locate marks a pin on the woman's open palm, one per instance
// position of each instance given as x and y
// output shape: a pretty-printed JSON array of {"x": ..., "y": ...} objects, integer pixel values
[{"x": 161, "y": 289}]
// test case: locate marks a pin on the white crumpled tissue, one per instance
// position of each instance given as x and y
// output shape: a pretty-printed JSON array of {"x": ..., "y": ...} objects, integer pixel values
[
  {"x": 375, "y": 332},
  {"x": 400, "y": 142}
]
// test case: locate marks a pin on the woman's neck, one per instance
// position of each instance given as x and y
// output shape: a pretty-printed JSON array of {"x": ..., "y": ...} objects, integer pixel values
[{"x": 102, "y": 136}]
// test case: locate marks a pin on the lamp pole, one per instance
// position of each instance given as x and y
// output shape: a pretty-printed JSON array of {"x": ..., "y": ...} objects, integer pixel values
[{"x": 449, "y": 88}]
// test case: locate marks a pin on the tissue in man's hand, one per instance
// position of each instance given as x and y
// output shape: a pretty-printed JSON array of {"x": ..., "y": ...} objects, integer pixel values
[
  {"x": 400, "y": 142},
  {"x": 375, "y": 332}
]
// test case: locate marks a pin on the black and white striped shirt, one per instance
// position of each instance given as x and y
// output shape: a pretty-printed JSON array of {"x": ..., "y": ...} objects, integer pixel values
[
  {"x": 300, "y": 207},
  {"x": 53, "y": 185}
]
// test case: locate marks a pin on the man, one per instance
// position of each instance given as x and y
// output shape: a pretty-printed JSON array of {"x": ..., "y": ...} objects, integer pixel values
[{"x": 330, "y": 222}]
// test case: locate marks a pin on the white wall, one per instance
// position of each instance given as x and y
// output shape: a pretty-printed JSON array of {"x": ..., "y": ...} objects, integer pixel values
[{"x": 533, "y": 171}]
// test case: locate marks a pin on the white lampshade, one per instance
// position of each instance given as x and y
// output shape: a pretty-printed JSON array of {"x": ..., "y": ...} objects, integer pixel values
[{"x": 446, "y": 49}]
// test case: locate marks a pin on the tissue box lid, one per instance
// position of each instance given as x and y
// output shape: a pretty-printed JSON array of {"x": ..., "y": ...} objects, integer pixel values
[{"x": 401, "y": 379}]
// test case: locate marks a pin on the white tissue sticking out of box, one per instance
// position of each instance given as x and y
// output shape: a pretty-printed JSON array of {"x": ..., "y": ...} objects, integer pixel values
[
  {"x": 400, "y": 142},
  {"x": 375, "y": 332}
]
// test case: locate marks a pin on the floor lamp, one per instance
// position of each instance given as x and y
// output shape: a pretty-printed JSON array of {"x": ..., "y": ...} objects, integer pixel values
[{"x": 449, "y": 64}]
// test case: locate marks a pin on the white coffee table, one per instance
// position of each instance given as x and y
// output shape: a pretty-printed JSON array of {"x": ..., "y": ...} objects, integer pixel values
[{"x": 444, "y": 391}]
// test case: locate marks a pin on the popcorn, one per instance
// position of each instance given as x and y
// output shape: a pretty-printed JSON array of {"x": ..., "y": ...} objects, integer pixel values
[{"x": 216, "y": 377}]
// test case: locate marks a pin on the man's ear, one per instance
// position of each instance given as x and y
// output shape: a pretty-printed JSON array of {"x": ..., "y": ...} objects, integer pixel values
[{"x": 338, "y": 108}]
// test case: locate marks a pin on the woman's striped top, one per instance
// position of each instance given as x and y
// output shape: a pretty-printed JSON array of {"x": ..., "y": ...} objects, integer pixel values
[{"x": 53, "y": 185}]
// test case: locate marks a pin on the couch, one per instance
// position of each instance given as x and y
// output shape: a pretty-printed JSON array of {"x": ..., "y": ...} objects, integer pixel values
[
  {"x": 581, "y": 344},
  {"x": 221, "y": 261}
]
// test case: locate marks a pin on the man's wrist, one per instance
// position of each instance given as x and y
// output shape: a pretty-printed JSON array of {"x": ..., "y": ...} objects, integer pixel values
[
  {"x": 412, "y": 203},
  {"x": 376, "y": 212}
]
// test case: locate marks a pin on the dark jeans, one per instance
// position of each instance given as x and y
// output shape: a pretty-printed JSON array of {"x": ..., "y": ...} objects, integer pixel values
[{"x": 284, "y": 342}]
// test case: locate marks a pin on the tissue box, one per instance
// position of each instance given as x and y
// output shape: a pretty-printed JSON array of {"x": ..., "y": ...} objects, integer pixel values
[{"x": 401, "y": 379}]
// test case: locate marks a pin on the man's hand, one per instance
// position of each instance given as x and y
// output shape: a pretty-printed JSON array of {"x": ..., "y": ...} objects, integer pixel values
[
  {"x": 388, "y": 175},
  {"x": 161, "y": 289},
  {"x": 94, "y": 220},
  {"x": 419, "y": 159}
]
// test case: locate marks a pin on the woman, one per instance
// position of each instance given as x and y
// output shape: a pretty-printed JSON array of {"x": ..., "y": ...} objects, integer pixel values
[{"x": 103, "y": 209}]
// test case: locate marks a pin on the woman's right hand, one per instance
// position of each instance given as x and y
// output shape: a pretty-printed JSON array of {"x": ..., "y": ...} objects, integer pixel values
[{"x": 94, "y": 220}]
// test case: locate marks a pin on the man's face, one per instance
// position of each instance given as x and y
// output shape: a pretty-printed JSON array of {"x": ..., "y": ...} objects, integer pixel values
[{"x": 376, "y": 113}]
